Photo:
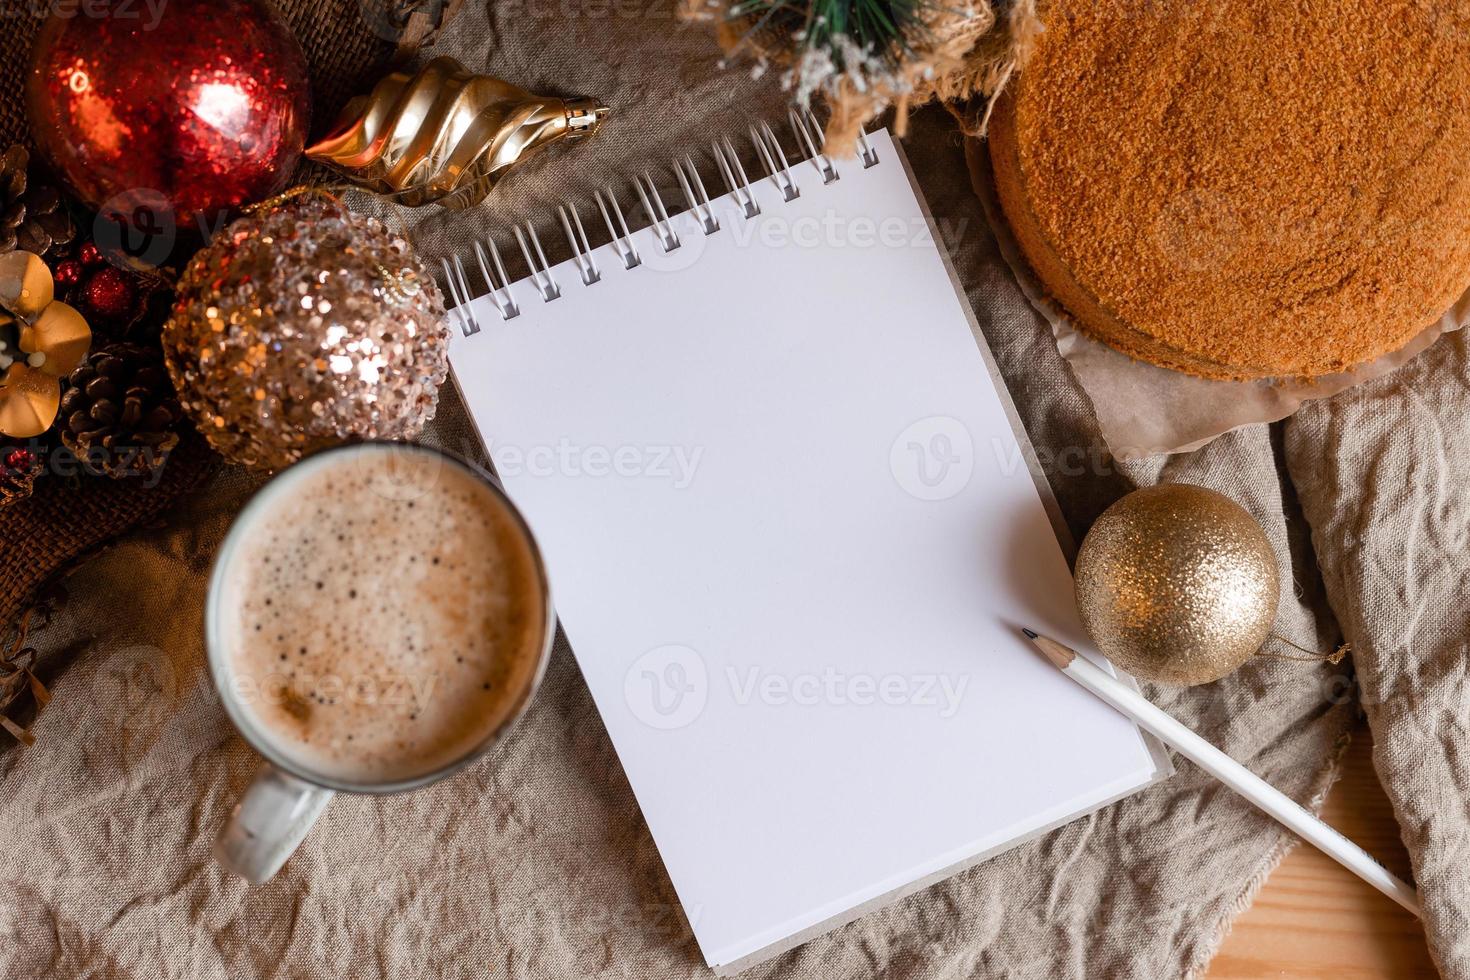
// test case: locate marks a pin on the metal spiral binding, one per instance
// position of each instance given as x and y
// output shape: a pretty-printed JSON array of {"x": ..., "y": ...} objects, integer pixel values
[
  {"x": 507, "y": 305},
  {"x": 458, "y": 292},
  {"x": 810, "y": 134},
  {"x": 661, "y": 224},
  {"x": 541, "y": 277},
  {"x": 779, "y": 169},
  {"x": 581, "y": 247},
  {"x": 690, "y": 181},
  {"x": 730, "y": 165},
  {"x": 623, "y": 244},
  {"x": 770, "y": 150}
]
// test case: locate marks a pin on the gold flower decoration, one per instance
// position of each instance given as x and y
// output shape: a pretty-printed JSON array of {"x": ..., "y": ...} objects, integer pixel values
[{"x": 41, "y": 340}]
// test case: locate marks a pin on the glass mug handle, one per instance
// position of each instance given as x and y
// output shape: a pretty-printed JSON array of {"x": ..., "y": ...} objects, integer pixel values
[{"x": 268, "y": 823}]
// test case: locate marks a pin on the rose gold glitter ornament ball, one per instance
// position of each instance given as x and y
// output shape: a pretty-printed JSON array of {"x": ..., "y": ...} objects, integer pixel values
[
  {"x": 1178, "y": 584},
  {"x": 303, "y": 327}
]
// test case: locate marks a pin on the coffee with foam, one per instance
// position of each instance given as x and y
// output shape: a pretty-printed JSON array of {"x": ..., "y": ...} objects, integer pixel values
[{"x": 383, "y": 618}]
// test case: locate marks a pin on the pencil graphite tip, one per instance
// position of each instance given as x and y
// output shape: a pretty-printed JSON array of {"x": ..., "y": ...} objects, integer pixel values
[{"x": 1060, "y": 656}]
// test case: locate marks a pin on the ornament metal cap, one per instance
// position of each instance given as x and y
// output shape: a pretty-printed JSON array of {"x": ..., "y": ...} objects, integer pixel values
[
  {"x": 445, "y": 135},
  {"x": 584, "y": 117}
]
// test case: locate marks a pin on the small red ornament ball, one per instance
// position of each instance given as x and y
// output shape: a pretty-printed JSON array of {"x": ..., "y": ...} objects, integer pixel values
[
  {"x": 109, "y": 295},
  {"x": 20, "y": 460},
  {"x": 192, "y": 107},
  {"x": 68, "y": 273}
]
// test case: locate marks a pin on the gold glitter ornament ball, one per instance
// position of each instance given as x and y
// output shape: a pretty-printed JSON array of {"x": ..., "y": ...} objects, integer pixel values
[
  {"x": 1177, "y": 584},
  {"x": 303, "y": 327}
]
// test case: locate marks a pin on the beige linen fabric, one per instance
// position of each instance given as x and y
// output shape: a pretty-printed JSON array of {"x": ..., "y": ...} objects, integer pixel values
[
  {"x": 535, "y": 863},
  {"x": 1382, "y": 472}
]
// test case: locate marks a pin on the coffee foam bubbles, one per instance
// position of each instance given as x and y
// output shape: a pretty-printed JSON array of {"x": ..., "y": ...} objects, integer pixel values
[{"x": 384, "y": 616}]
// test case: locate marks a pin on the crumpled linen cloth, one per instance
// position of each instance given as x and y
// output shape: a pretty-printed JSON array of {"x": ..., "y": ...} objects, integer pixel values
[
  {"x": 535, "y": 862},
  {"x": 1382, "y": 471}
]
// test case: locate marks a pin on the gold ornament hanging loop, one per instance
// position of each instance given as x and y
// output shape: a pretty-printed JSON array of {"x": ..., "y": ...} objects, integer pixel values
[
  {"x": 1306, "y": 655},
  {"x": 328, "y": 191}
]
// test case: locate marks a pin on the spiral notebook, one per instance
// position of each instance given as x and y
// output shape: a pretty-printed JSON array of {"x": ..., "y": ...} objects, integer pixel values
[{"x": 791, "y": 531}]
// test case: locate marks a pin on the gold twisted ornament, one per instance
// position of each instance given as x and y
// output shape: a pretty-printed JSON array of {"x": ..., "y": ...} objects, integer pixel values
[{"x": 446, "y": 135}]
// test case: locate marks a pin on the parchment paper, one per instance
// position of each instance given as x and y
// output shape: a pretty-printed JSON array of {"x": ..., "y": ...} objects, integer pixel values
[{"x": 1142, "y": 409}]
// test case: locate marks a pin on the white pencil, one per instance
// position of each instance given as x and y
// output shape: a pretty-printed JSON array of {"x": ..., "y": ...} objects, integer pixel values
[{"x": 1255, "y": 789}]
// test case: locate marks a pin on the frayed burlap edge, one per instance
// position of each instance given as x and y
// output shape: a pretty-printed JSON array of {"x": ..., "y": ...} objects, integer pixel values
[{"x": 962, "y": 57}]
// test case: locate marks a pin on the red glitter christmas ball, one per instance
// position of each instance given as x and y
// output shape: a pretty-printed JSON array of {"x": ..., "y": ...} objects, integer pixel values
[
  {"x": 109, "y": 295},
  {"x": 174, "y": 112}
]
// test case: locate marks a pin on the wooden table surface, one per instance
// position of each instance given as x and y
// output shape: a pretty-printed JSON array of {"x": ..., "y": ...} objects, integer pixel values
[{"x": 1314, "y": 919}]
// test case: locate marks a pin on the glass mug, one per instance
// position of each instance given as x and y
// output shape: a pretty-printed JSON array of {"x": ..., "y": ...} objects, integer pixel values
[{"x": 377, "y": 618}]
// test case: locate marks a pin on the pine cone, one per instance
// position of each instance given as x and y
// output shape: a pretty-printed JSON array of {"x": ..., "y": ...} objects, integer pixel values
[
  {"x": 33, "y": 216},
  {"x": 119, "y": 414}
]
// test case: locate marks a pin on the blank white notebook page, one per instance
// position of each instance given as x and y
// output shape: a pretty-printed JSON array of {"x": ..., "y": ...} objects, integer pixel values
[{"x": 791, "y": 537}]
